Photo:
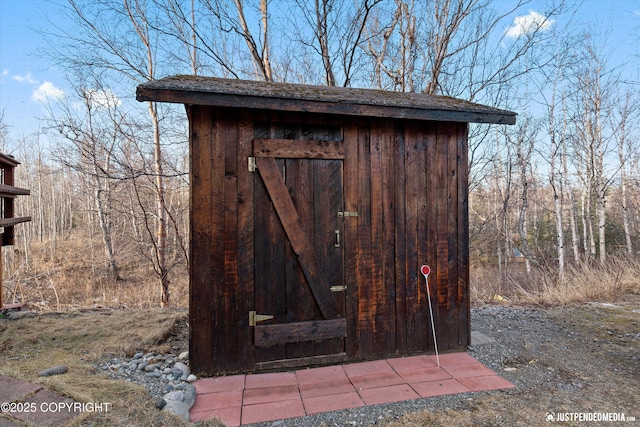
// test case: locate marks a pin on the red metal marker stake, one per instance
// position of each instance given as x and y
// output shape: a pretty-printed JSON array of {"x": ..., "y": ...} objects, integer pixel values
[{"x": 425, "y": 270}]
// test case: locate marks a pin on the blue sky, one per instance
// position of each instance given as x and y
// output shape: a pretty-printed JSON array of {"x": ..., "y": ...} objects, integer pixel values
[{"x": 27, "y": 78}]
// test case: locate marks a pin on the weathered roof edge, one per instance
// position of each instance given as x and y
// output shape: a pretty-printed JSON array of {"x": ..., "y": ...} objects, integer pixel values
[{"x": 213, "y": 91}]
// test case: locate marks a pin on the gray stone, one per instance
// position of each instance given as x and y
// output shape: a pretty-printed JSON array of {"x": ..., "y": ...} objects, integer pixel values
[
  {"x": 56, "y": 370},
  {"x": 189, "y": 396},
  {"x": 150, "y": 368},
  {"x": 160, "y": 403},
  {"x": 184, "y": 368},
  {"x": 153, "y": 374},
  {"x": 138, "y": 355},
  {"x": 142, "y": 365},
  {"x": 174, "y": 395},
  {"x": 176, "y": 373},
  {"x": 177, "y": 408},
  {"x": 16, "y": 315},
  {"x": 191, "y": 378},
  {"x": 184, "y": 355}
]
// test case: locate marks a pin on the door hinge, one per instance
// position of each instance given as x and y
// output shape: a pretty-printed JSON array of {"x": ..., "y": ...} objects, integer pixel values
[
  {"x": 255, "y": 318},
  {"x": 252, "y": 164},
  {"x": 347, "y": 213},
  {"x": 338, "y": 288}
]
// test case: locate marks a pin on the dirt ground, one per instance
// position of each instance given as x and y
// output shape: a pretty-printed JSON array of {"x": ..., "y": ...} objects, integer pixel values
[{"x": 582, "y": 359}]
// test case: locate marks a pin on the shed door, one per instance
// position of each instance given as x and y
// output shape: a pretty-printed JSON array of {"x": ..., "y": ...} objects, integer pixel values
[{"x": 299, "y": 256}]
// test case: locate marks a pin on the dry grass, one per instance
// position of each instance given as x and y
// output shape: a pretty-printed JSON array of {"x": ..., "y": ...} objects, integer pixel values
[
  {"x": 609, "y": 282},
  {"x": 78, "y": 340},
  {"x": 72, "y": 275}
]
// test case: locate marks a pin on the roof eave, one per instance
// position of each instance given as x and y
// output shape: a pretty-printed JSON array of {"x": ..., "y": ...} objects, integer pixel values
[{"x": 188, "y": 97}]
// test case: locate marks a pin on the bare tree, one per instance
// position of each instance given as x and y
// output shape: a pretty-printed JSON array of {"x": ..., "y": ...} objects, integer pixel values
[
  {"x": 332, "y": 31},
  {"x": 92, "y": 138},
  {"x": 626, "y": 108}
]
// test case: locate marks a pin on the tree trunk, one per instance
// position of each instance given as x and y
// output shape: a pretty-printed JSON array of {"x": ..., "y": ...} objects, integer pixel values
[
  {"x": 161, "y": 222},
  {"x": 105, "y": 228}
]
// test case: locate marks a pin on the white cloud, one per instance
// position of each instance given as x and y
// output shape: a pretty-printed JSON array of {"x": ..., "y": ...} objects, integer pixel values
[
  {"x": 5, "y": 72},
  {"x": 103, "y": 99},
  {"x": 28, "y": 78},
  {"x": 526, "y": 24},
  {"x": 46, "y": 91}
]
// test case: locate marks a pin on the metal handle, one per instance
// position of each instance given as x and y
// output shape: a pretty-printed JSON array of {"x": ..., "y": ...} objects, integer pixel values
[{"x": 337, "y": 245}]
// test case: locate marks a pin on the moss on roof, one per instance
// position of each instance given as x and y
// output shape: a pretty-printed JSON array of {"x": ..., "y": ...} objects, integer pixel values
[{"x": 328, "y": 99}]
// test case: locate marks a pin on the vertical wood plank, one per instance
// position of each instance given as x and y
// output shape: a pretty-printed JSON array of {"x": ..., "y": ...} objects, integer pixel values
[
  {"x": 388, "y": 338},
  {"x": 364, "y": 269},
  {"x": 201, "y": 314},
  {"x": 350, "y": 241},
  {"x": 228, "y": 296},
  {"x": 424, "y": 231},
  {"x": 328, "y": 200},
  {"x": 300, "y": 304},
  {"x": 400, "y": 262},
  {"x": 442, "y": 222},
  {"x": 269, "y": 248},
  {"x": 453, "y": 230},
  {"x": 246, "y": 265},
  {"x": 433, "y": 189},
  {"x": 377, "y": 297},
  {"x": 463, "y": 301},
  {"x": 412, "y": 188}
]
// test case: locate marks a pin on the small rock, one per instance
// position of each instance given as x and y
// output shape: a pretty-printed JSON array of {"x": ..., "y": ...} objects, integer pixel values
[
  {"x": 56, "y": 370},
  {"x": 509, "y": 369},
  {"x": 150, "y": 368},
  {"x": 191, "y": 378},
  {"x": 174, "y": 395},
  {"x": 142, "y": 365},
  {"x": 175, "y": 374},
  {"x": 177, "y": 408},
  {"x": 184, "y": 368},
  {"x": 160, "y": 403},
  {"x": 189, "y": 396},
  {"x": 138, "y": 355},
  {"x": 184, "y": 355},
  {"x": 16, "y": 315}
]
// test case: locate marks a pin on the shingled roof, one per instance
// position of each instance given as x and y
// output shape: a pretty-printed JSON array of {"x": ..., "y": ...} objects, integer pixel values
[{"x": 196, "y": 90}]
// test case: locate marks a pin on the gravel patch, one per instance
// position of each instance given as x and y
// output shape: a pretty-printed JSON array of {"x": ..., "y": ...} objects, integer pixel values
[{"x": 580, "y": 359}]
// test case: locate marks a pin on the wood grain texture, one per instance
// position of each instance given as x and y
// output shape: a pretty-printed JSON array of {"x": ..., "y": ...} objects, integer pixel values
[
  {"x": 201, "y": 309},
  {"x": 298, "y": 149},
  {"x": 266, "y": 240},
  {"x": 300, "y": 243},
  {"x": 294, "y": 332}
]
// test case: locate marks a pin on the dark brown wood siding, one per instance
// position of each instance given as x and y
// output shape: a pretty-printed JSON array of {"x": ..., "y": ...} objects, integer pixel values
[{"x": 407, "y": 181}]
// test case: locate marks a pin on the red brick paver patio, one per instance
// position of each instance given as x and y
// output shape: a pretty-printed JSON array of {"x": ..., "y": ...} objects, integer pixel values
[
  {"x": 23, "y": 404},
  {"x": 246, "y": 399}
]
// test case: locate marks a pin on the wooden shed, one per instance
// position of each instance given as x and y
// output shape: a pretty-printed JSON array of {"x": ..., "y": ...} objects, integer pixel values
[{"x": 312, "y": 210}]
